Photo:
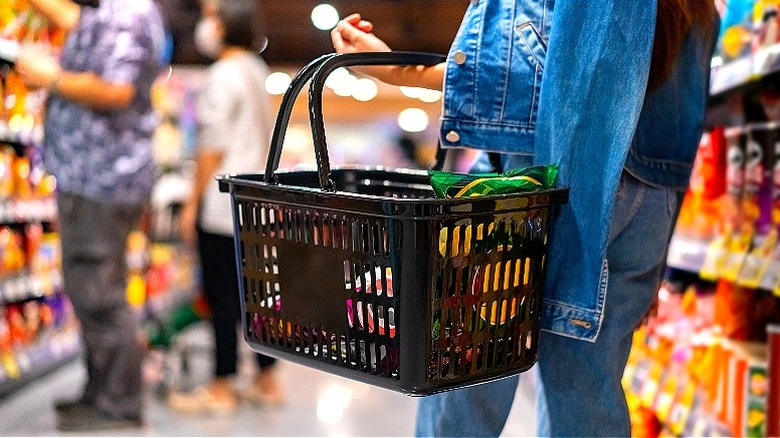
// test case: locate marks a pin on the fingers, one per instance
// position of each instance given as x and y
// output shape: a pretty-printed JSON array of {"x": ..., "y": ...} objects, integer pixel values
[
  {"x": 338, "y": 40},
  {"x": 353, "y": 34},
  {"x": 353, "y": 19},
  {"x": 349, "y": 32},
  {"x": 365, "y": 26},
  {"x": 345, "y": 35}
]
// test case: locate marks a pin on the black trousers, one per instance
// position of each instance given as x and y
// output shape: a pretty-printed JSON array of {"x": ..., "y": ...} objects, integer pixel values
[{"x": 220, "y": 286}]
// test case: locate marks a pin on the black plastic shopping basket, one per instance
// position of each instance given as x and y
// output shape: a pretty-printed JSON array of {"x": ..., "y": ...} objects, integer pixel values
[{"x": 364, "y": 274}]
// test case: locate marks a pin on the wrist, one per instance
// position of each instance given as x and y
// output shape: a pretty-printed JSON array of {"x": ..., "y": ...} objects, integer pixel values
[{"x": 54, "y": 85}]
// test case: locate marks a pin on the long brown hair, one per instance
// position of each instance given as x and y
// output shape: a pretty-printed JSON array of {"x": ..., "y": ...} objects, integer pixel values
[{"x": 675, "y": 19}]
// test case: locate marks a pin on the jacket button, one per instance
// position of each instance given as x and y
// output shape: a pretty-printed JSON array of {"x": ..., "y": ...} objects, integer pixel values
[
  {"x": 459, "y": 57},
  {"x": 452, "y": 137}
]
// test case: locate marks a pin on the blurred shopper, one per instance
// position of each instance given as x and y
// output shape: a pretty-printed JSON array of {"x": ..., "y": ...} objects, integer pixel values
[
  {"x": 234, "y": 130},
  {"x": 99, "y": 124},
  {"x": 614, "y": 92}
]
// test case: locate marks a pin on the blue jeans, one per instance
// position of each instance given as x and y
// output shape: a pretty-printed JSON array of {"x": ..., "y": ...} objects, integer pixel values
[{"x": 579, "y": 391}]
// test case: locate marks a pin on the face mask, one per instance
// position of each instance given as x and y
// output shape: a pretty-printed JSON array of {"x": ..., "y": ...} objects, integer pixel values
[
  {"x": 91, "y": 3},
  {"x": 208, "y": 41}
]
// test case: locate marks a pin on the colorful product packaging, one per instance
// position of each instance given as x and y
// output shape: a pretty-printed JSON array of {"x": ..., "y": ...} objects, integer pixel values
[
  {"x": 736, "y": 139},
  {"x": 747, "y": 389},
  {"x": 762, "y": 142},
  {"x": 461, "y": 185},
  {"x": 736, "y": 29},
  {"x": 773, "y": 393}
]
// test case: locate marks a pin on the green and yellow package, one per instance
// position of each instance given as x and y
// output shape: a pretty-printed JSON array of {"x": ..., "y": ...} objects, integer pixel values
[{"x": 461, "y": 185}]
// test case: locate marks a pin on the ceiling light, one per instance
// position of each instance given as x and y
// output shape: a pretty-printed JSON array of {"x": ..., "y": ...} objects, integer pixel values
[
  {"x": 413, "y": 92},
  {"x": 365, "y": 90},
  {"x": 346, "y": 86},
  {"x": 336, "y": 78},
  {"x": 276, "y": 83},
  {"x": 325, "y": 17},
  {"x": 430, "y": 96},
  {"x": 413, "y": 120}
]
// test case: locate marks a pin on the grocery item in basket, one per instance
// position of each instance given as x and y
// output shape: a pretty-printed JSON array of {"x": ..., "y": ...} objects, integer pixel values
[{"x": 462, "y": 185}]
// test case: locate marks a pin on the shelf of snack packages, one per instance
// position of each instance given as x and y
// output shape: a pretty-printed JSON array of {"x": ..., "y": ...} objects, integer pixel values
[
  {"x": 744, "y": 72},
  {"x": 162, "y": 276},
  {"x": 748, "y": 52},
  {"x": 701, "y": 367},
  {"x": 707, "y": 361},
  {"x": 38, "y": 331}
]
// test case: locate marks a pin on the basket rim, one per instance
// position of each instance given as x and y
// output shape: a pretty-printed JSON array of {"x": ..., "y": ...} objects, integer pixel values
[{"x": 557, "y": 196}]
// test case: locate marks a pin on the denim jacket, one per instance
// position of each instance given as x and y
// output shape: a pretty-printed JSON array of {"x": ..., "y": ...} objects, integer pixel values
[{"x": 569, "y": 87}]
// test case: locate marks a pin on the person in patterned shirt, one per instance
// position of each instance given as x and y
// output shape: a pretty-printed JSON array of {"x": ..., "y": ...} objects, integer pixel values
[{"x": 98, "y": 130}]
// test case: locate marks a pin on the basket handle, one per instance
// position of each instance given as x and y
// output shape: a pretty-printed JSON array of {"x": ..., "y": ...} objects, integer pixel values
[
  {"x": 285, "y": 111},
  {"x": 318, "y": 84}
]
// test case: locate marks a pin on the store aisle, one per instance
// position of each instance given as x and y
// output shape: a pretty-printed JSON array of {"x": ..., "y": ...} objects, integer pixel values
[{"x": 318, "y": 404}]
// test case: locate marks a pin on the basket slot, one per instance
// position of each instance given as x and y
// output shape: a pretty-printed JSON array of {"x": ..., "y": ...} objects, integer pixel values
[
  {"x": 316, "y": 231},
  {"x": 496, "y": 283},
  {"x": 390, "y": 322},
  {"x": 300, "y": 234},
  {"x": 343, "y": 351},
  {"x": 348, "y": 275},
  {"x": 326, "y": 233},
  {"x": 253, "y": 220},
  {"x": 362, "y": 358},
  {"x": 265, "y": 221},
  {"x": 376, "y": 238},
  {"x": 455, "y": 243},
  {"x": 506, "y": 279},
  {"x": 271, "y": 226},
  {"x": 366, "y": 238},
  {"x": 385, "y": 240},
  {"x": 346, "y": 235},
  {"x": 308, "y": 234},
  {"x": 389, "y": 285},
  {"x": 381, "y": 319},
  {"x": 380, "y": 282}
]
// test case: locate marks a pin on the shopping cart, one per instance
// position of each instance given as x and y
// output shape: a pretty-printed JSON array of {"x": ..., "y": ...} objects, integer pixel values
[{"x": 363, "y": 273}]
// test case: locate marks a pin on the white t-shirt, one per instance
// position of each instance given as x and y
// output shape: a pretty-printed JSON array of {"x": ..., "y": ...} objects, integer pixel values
[{"x": 234, "y": 117}]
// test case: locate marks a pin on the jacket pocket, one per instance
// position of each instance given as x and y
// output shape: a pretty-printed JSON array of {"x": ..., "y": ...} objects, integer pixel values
[
  {"x": 524, "y": 77},
  {"x": 533, "y": 43}
]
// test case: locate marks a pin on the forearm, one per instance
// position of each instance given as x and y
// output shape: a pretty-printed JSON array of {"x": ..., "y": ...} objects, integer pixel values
[
  {"x": 91, "y": 91},
  {"x": 412, "y": 76},
  {"x": 63, "y": 13}
]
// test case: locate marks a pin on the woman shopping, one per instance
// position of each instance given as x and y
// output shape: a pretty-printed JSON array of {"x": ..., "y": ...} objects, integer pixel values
[
  {"x": 614, "y": 92},
  {"x": 234, "y": 129}
]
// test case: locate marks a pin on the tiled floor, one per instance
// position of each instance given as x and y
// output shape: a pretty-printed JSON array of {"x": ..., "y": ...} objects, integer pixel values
[{"x": 318, "y": 404}]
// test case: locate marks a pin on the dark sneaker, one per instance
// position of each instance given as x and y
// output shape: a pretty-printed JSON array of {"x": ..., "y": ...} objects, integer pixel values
[
  {"x": 63, "y": 406},
  {"x": 91, "y": 418}
]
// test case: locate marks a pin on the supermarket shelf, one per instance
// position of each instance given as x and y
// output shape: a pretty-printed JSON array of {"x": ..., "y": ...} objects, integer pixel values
[
  {"x": 746, "y": 73},
  {"x": 28, "y": 364},
  {"x": 687, "y": 253},
  {"x": 691, "y": 420},
  {"x": 25, "y": 286},
  {"x": 27, "y": 210}
]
